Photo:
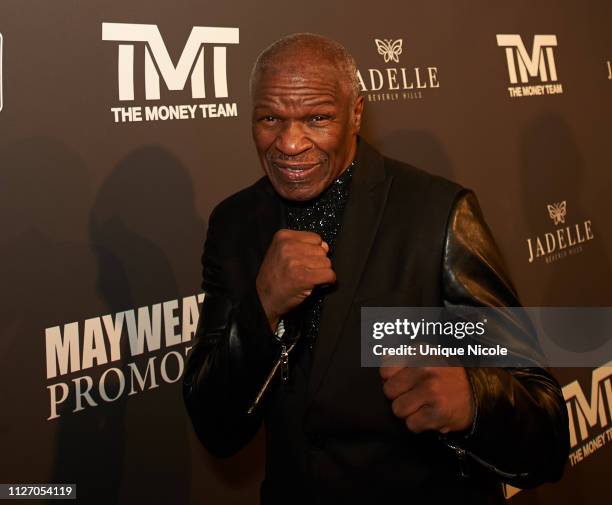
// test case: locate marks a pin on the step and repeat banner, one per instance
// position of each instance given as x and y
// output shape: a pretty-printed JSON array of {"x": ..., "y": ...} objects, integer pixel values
[{"x": 122, "y": 125}]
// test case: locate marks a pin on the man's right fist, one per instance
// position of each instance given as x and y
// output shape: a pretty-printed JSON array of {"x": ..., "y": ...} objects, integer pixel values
[{"x": 294, "y": 264}]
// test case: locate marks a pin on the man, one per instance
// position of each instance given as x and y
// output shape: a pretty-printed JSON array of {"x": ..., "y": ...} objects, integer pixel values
[{"x": 289, "y": 261}]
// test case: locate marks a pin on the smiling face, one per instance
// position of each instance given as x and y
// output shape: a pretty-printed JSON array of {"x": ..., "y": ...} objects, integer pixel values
[{"x": 305, "y": 125}]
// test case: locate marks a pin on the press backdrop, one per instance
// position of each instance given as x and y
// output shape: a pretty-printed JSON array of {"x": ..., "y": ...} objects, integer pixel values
[{"x": 123, "y": 123}]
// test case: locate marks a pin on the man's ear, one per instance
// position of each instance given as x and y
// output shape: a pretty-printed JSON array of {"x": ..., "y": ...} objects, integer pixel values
[{"x": 358, "y": 112}]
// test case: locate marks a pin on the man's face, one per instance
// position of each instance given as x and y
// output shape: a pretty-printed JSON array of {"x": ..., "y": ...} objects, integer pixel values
[{"x": 304, "y": 126}]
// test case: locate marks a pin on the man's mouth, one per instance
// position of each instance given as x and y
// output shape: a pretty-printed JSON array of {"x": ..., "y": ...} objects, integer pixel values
[
  {"x": 293, "y": 171},
  {"x": 301, "y": 166}
]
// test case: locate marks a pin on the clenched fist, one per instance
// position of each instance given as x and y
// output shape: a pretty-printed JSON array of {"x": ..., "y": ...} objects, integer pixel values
[
  {"x": 430, "y": 398},
  {"x": 294, "y": 264}
]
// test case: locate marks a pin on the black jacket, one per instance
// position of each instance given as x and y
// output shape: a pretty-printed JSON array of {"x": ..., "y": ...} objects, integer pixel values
[{"x": 407, "y": 238}]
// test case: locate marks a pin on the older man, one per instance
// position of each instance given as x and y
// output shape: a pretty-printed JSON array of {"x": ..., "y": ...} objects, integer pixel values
[{"x": 289, "y": 261}]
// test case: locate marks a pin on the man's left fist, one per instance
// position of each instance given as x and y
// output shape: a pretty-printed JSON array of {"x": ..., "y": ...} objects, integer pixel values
[{"x": 430, "y": 398}]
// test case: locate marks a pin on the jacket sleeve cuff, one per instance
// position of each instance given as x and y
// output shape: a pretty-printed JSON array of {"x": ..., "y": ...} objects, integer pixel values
[{"x": 257, "y": 338}]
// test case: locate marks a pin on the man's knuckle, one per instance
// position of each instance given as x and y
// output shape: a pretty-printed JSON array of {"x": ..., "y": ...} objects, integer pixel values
[
  {"x": 412, "y": 425},
  {"x": 315, "y": 237},
  {"x": 397, "y": 407},
  {"x": 428, "y": 372},
  {"x": 281, "y": 234},
  {"x": 283, "y": 248},
  {"x": 388, "y": 389},
  {"x": 404, "y": 374},
  {"x": 431, "y": 388}
]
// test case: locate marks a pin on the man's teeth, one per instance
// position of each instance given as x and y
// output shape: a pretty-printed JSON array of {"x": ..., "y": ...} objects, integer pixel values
[{"x": 295, "y": 168}]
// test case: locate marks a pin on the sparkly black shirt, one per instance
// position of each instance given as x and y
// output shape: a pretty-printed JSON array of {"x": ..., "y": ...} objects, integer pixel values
[{"x": 322, "y": 215}]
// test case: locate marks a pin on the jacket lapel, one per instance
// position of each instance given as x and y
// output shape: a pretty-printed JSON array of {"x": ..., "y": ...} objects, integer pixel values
[
  {"x": 364, "y": 209},
  {"x": 269, "y": 215}
]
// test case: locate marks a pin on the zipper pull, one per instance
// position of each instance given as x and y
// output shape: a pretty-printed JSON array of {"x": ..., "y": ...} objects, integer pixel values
[
  {"x": 461, "y": 456},
  {"x": 264, "y": 387},
  {"x": 284, "y": 363}
]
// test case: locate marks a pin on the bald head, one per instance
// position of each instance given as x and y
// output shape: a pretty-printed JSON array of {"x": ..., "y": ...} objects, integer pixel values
[{"x": 299, "y": 51}]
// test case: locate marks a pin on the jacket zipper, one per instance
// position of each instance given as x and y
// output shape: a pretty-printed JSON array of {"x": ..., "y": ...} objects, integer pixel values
[
  {"x": 283, "y": 363},
  {"x": 461, "y": 454}
]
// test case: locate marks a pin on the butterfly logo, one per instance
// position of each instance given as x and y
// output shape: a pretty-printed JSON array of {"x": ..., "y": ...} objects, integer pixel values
[
  {"x": 557, "y": 212},
  {"x": 389, "y": 49}
]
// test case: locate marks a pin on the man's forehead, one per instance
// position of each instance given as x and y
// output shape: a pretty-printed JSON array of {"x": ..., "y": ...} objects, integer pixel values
[
  {"x": 310, "y": 52},
  {"x": 298, "y": 79}
]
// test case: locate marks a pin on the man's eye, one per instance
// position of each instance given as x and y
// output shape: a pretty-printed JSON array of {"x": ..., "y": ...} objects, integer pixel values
[
  {"x": 268, "y": 119},
  {"x": 318, "y": 118}
]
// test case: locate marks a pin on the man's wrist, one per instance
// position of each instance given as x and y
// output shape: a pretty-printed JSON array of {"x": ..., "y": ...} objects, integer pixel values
[
  {"x": 273, "y": 319},
  {"x": 469, "y": 431}
]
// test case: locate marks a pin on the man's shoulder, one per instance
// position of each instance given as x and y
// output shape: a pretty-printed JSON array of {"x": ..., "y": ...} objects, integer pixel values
[
  {"x": 241, "y": 204},
  {"x": 411, "y": 180}
]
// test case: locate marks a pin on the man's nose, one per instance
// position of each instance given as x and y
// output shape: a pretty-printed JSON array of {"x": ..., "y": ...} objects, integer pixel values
[{"x": 292, "y": 140}]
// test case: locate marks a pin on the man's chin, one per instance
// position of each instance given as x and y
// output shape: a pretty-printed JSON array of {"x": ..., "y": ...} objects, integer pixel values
[{"x": 298, "y": 192}]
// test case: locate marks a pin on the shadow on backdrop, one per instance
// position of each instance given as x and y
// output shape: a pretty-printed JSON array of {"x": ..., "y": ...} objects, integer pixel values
[
  {"x": 145, "y": 220},
  {"x": 48, "y": 273},
  {"x": 134, "y": 217},
  {"x": 553, "y": 170}
]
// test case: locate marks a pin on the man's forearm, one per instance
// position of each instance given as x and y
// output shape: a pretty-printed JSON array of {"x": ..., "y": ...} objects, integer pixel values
[
  {"x": 521, "y": 425},
  {"x": 233, "y": 353}
]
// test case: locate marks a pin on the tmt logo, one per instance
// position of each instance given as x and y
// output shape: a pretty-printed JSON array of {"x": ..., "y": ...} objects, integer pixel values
[
  {"x": 534, "y": 65},
  {"x": 155, "y": 50},
  {"x": 539, "y": 64},
  {"x": 589, "y": 413},
  {"x": 157, "y": 62}
]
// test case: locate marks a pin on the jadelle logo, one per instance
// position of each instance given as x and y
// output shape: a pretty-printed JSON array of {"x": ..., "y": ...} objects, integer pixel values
[
  {"x": 395, "y": 82},
  {"x": 157, "y": 63},
  {"x": 524, "y": 69},
  {"x": 390, "y": 49},
  {"x": 557, "y": 212},
  {"x": 564, "y": 240}
]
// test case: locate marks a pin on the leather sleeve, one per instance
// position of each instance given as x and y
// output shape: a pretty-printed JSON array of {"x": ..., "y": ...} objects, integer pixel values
[
  {"x": 233, "y": 352},
  {"x": 521, "y": 427}
]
